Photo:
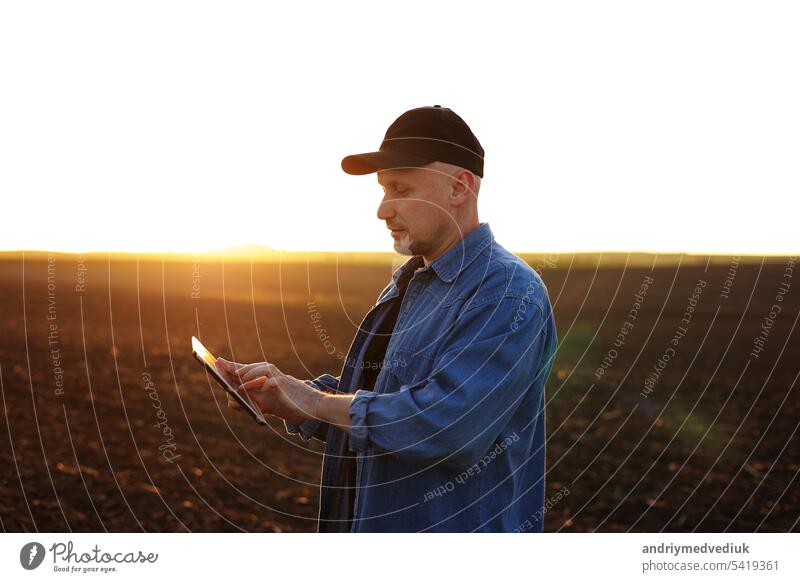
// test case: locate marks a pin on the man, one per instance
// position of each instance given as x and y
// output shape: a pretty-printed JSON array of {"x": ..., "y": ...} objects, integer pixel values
[{"x": 436, "y": 422}]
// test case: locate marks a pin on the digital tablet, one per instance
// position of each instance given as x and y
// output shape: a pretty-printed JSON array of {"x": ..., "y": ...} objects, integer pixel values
[{"x": 209, "y": 362}]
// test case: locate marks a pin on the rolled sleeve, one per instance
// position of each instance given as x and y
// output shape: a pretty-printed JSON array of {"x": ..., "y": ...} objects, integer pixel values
[
  {"x": 358, "y": 419},
  {"x": 490, "y": 362}
]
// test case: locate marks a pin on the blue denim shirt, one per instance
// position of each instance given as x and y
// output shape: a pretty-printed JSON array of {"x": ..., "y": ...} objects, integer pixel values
[{"x": 452, "y": 437}]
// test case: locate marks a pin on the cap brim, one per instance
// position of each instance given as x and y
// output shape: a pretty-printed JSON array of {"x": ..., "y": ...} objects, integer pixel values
[{"x": 359, "y": 164}]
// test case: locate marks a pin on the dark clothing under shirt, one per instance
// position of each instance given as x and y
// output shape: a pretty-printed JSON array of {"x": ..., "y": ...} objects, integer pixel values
[{"x": 372, "y": 365}]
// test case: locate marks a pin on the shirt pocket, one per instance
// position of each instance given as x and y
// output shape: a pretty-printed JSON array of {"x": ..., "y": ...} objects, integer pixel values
[
  {"x": 427, "y": 325},
  {"x": 408, "y": 368}
]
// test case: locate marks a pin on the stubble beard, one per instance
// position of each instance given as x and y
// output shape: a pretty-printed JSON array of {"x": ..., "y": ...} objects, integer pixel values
[
  {"x": 408, "y": 246},
  {"x": 402, "y": 246}
]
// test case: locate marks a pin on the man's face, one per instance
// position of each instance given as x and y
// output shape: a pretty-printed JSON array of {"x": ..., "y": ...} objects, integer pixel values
[{"x": 415, "y": 207}]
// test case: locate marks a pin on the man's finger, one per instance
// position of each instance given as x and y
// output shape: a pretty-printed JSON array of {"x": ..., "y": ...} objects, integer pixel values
[
  {"x": 228, "y": 370},
  {"x": 232, "y": 402},
  {"x": 248, "y": 391},
  {"x": 264, "y": 369},
  {"x": 248, "y": 367},
  {"x": 246, "y": 374},
  {"x": 245, "y": 392},
  {"x": 228, "y": 365},
  {"x": 254, "y": 384},
  {"x": 274, "y": 381}
]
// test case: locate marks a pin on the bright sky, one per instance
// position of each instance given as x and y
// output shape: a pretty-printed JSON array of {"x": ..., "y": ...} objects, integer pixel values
[{"x": 187, "y": 126}]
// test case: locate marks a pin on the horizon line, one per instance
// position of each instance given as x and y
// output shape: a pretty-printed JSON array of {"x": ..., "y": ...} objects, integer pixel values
[{"x": 256, "y": 251}]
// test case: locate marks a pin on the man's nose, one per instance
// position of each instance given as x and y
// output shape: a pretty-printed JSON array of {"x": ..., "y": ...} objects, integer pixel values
[{"x": 385, "y": 210}]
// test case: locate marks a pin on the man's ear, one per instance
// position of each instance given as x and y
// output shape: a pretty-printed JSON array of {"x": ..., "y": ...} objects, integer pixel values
[{"x": 463, "y": 187}]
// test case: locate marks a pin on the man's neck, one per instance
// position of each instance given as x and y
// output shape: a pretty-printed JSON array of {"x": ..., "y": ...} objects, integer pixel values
[{"x": 460, "y": 235}]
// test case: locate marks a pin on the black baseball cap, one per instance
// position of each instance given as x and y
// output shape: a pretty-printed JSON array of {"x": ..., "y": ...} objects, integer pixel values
[{"x": 421, "y": 136}]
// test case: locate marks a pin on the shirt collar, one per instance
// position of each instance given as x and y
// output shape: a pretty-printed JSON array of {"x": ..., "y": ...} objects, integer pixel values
[{"x": 454, "y": 260}]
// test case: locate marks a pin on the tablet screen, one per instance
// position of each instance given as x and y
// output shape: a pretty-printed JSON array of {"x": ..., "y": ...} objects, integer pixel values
[
  {"x": 204, "y": 354},
  {"x": 210, "y": 362}
]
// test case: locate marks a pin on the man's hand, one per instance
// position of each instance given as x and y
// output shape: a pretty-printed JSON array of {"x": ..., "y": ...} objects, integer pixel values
[
  {"x": 228, "y": 370},
  {"x": 272, "y": 391},
  {"x": 277, "y": 393}
]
